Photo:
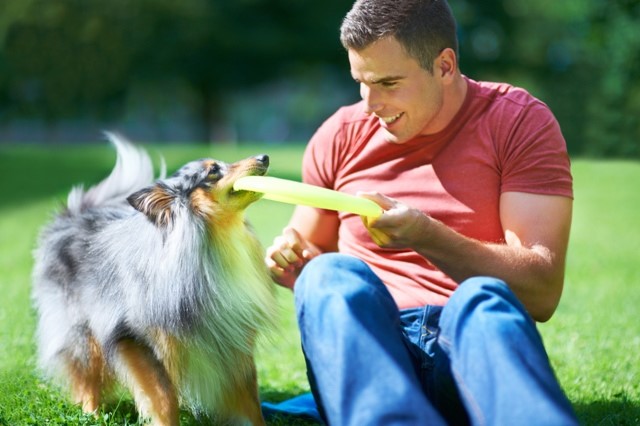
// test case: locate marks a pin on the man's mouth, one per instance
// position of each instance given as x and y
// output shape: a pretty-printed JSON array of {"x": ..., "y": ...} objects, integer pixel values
[{"x": 391, "y": 119}]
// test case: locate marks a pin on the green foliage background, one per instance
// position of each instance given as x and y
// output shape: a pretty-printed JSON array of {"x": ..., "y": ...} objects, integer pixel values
[{"x": 71, "y": 59}]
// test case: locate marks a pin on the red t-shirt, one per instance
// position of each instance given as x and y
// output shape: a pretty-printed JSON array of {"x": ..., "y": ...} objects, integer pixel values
[{"x": 501, "y": 140}]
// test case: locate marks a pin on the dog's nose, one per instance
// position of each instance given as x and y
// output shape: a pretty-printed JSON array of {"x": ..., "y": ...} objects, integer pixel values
[{"x": 262, "y": 158}]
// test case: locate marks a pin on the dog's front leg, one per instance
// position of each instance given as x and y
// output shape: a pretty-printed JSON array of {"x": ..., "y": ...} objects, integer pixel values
[
  {"x": 243, "y": 402},
  {"x": 149, "y": 382}
]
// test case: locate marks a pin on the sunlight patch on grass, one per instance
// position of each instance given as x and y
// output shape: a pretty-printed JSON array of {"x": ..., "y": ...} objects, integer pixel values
[{"x": 593, "y": 340}]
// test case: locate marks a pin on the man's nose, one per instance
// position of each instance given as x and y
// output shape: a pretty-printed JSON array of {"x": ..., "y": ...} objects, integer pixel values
[{"x": 371, "y": 99}]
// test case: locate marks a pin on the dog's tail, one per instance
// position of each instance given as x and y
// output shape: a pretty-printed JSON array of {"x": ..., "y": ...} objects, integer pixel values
[{"x": 133, "y": 171}]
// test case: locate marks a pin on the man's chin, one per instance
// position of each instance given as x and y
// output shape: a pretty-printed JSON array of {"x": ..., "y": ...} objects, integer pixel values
[{"x": 392, "y": 138}]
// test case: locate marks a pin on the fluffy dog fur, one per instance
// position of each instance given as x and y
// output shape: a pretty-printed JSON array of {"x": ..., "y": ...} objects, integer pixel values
[{"x": 160, "y": 286}]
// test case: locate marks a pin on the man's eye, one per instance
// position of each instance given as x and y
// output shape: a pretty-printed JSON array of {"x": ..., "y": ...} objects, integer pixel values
[{"x": 388, "y": 84}]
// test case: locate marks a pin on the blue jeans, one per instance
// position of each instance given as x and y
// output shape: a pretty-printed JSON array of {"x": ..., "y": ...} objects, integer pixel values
[{"x": 478, "y": 360}]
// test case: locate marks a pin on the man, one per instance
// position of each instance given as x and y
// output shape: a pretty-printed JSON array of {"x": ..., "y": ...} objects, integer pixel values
[{"x": 425, "y": 314}]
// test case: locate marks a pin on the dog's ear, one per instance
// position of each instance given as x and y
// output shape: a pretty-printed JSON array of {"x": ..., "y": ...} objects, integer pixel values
[{"x": 155, "y": 202}]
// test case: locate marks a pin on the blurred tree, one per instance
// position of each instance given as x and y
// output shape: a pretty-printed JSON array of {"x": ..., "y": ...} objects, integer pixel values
[
  {"x": 613, "y": 99},
  {"x": 587, "y": 55},
  {"x": 84, "y": 58},
  {"x": 582, "y": 57},
  {"x": 65, "y": 58},
  {"x": 69, "y": 58}
]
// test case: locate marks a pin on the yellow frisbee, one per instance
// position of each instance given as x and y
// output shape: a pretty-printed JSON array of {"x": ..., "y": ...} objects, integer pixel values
[{"x": 292, "y": 192}]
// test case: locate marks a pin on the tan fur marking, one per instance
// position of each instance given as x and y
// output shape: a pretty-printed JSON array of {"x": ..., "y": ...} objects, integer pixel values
[
  {"x": 159, "y": 206},
  {"x": 167, "y": 345},
  {"x": 202, "y": 203},
  {"x": 243, "y": 400},
  {"x": 153, "y": 391},
  {"x": 88, "y": 378}
]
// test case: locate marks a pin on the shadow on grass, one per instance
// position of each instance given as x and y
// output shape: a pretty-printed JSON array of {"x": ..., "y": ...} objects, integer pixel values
[
  {"x": 124, "y": 412},
  {"x": 29, "y": 173},
  {"x": 25, "y": 399},
  {"x": 608, "y": 413}
]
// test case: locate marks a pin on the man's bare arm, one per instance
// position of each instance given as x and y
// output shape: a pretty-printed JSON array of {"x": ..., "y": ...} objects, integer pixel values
[{"x": 531, "y": 261}]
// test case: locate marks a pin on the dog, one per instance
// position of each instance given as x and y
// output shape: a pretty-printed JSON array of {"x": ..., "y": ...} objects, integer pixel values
[{"x": 158, "y": 286}]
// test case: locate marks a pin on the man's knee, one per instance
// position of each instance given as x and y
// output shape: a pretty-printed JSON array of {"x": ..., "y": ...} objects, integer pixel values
[
  {"x": 484, "y": 302},
  {"x": 331, "y": 272},
  {"x": 327, "y": 264},
  {"x": 484, "y": 293},
  {"x": 339, "y": 277}
]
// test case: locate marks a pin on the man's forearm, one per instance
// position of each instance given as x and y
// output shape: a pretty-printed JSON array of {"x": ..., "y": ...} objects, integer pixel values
[{"x": 532, "y": 273}]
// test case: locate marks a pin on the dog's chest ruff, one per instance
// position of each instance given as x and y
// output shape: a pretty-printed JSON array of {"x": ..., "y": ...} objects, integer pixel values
[{"x": 238, "y": 301}]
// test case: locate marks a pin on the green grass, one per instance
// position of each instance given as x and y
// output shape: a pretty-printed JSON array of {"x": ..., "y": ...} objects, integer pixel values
[
  {"x": 34, "y": 182},
  {"x": 593, "y": 340}
]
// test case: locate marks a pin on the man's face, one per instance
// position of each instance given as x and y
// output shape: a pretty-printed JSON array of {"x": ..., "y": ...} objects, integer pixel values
[{"x": 407, "y": 99}]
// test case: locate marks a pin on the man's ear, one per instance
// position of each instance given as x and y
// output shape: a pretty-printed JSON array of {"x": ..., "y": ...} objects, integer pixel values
[
  {"x": 447, "y": 63},
  {"x": 155, "y": 202}
]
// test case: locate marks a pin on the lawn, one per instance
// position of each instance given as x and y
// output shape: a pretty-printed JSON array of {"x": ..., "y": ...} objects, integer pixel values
[{"x": 593, "y": 340}]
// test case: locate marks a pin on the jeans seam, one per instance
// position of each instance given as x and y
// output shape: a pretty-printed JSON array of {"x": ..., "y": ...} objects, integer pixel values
[{"x": 468, "y": 400}]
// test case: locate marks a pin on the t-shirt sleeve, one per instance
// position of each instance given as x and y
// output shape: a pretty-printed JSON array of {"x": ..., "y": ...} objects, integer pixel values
[
  {"x": 535, "y": 158},
  {"x": 319, "y": 160}
]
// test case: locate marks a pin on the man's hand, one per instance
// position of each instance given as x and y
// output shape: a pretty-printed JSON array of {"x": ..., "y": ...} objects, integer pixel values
[
  {"x": 400, "y": 226},
  {"x": 286, "y": 257}
]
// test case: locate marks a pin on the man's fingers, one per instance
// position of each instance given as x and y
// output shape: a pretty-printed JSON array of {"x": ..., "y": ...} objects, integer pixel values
[
  {"x": 379, "y": 237},
  {"x": 293, "y": 240},
  {"x": 382, "y": 200}
]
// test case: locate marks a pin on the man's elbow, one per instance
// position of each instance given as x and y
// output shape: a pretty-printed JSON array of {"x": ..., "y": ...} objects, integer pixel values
[
  {"x": 546, "y": 306},
  {"x": 550, "y": 279},
  {"x": 543, "y": 313}
]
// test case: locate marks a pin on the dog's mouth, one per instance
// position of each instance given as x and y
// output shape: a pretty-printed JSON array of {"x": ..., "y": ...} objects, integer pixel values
[
  {"x": 242, "y": 192},
  {"x": 217, "y": 198},
  {"x": 259, "y": 166}
]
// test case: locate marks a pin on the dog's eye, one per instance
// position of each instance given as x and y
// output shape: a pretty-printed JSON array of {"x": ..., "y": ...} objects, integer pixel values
[{"x": 214, "y": 172}]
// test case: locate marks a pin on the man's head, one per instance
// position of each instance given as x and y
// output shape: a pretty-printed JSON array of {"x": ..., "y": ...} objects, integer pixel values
[
  {"x": 424, "y": 28},
  {"x": 403, "y": 54}
]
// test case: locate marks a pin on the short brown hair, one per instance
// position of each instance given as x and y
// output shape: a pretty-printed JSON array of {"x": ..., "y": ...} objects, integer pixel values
[{"x": 423, "y": 27}]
